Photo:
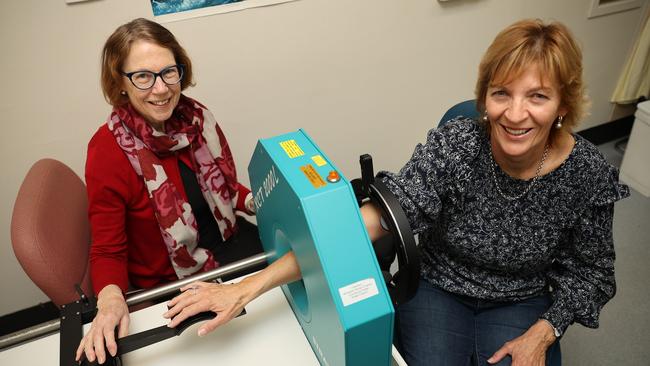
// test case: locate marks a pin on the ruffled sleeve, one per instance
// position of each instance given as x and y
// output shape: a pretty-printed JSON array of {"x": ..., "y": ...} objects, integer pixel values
[
  {"x": 582, "y": 276},
  {"x": 427, "y": 176}
]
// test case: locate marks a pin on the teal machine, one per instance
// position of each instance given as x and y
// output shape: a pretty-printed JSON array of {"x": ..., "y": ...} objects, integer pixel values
[
  {"x": 304, "y": 204},
  {"x": 345, "y": 299}
]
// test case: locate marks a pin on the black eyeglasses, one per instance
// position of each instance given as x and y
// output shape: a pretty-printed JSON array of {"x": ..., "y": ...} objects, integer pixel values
[{"x": 145, "y": 79}]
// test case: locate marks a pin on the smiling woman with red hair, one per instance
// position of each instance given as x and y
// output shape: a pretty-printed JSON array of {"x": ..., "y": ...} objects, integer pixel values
[
  {"x": 514, "y": 215},
  {"x": 513, "y": 211}
]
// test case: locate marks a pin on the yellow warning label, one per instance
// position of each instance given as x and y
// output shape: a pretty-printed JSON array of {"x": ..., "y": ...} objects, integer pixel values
[
  {"x": 313, "y": 176},
  {"x": 292, "y": 149},
  {"x": 318, "y": 160}
]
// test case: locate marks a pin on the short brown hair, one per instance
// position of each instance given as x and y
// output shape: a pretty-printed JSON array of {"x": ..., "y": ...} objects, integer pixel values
[
  {"x": 549, "y": 46},
  {"x": 118, "y": 45}
]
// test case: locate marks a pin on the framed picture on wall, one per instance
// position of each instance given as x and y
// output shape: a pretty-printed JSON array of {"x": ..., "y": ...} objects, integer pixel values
[
  {"x": 172, "y": 10},
  {"x": 605, "y": 7}
]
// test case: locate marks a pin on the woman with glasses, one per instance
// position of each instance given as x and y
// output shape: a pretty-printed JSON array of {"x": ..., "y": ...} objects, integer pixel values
[{"x": 161, "y": 180}]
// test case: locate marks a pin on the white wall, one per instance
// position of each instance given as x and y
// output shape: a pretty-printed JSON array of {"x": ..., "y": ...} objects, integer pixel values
[{"x": 358, "y": 75}]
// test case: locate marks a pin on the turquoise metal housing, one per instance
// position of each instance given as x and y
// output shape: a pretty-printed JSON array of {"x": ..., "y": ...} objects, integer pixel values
[{"x": 341, "y": 302}]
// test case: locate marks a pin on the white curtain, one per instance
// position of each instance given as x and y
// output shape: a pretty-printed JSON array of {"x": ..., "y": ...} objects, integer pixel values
[{"x": 634, "y": 82}]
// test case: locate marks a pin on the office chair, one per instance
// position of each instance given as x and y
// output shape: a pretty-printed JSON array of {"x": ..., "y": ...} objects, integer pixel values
[
  {"x": 50, "y": 232},
  {"x": 465, "y": 109}
]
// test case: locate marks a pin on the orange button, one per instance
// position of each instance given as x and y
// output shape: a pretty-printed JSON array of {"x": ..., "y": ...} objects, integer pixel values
[{"x": 333, "y": 176}]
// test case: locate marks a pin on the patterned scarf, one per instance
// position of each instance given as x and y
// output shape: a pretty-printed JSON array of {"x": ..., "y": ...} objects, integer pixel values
[{"x": 191, "y": 125}]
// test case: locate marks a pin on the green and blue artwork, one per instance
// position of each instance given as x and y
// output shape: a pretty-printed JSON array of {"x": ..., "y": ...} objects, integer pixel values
[{"x": 162, "y": 7}]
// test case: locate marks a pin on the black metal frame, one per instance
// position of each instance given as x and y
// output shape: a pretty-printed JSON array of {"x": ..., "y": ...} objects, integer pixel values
[
  {"x": 80, "y": 312},
  {"x": 404, "y": 283}
]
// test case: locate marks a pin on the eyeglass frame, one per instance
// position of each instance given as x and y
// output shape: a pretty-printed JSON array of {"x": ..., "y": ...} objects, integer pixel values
[{"x": 180, "y": 67}]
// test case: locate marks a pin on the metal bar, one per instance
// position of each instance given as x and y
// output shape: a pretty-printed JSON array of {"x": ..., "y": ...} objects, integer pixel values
[
  {"x": 26, "y": 334},
  {"x": 171, "y": 287},
  {"x": 52, "y": 326}
]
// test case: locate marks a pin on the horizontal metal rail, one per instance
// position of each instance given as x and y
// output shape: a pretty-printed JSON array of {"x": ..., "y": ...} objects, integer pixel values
[
  {"x": 30, "y": 333},
  {"x": 52, "y": 326},
  {"x": 171, "y": 287}
]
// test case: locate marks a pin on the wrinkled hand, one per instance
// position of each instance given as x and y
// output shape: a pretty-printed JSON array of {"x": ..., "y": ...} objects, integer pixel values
[
  {"x": 529, "y": 349},
  {"x": 111, "y": 312},
  {"x": 226, "y": 300}
]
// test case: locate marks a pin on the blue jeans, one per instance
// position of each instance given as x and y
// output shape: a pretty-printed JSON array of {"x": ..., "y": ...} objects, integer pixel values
[{"x": 440, "y": 328}]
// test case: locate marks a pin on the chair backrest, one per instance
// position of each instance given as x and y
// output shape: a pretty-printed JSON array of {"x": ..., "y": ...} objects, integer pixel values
[
  {"x": 50, "y": 232},
  {"x": 465, "y": 109}
]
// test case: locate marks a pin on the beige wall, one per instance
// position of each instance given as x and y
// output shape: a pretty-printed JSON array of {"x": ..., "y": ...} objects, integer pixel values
[{"x": 358, "y": 75}]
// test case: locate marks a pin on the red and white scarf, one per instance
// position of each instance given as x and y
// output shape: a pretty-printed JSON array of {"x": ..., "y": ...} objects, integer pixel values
[{"x": 191, "y": 125}]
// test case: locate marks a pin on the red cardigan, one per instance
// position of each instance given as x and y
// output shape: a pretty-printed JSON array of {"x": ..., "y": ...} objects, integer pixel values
[{"x": 127, "y": 247}]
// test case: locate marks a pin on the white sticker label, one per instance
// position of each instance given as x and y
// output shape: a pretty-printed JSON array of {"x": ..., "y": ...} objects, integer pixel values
[{"x": 358, "y": 291}]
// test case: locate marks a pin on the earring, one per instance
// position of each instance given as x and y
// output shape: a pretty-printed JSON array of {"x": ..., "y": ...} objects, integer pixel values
[
  {"x": 485, "y": 118},
  {"x": 123, "y": 92},
  {"x": 558, "y": 123}
]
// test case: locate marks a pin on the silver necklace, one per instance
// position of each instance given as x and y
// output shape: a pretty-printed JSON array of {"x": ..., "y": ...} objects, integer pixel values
[{"x": 530, "y": 185}]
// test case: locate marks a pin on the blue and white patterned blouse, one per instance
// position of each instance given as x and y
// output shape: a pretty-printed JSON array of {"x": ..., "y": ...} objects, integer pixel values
[{"x": 476, "y": 243}]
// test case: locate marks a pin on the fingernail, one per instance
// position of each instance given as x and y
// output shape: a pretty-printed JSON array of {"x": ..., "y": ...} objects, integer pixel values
[{"x": 202, "y": 332}]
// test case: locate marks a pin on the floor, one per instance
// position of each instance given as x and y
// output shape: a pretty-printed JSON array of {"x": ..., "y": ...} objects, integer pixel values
[{"x": 624, "y": 334}]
